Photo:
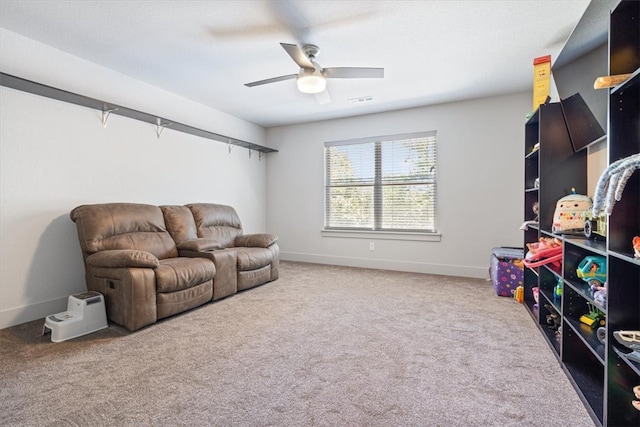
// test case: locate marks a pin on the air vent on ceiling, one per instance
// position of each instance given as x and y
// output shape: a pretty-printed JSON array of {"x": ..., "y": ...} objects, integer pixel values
[{"x": 360, "y": 99}]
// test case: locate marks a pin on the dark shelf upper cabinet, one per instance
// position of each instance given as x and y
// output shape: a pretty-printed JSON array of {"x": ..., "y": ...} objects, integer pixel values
[
  {"x": 624, "y": 122},
  {"x": 624, "y": 38},
  {"x": 556, "y": 166}
]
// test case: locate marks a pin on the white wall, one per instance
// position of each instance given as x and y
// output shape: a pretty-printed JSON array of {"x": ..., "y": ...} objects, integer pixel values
[
  {"x": 55, "y": 156},
  {"x": 480, "y": 182}
]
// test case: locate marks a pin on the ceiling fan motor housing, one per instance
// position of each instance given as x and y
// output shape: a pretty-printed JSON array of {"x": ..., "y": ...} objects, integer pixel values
[{"x": 311, "y": 51}]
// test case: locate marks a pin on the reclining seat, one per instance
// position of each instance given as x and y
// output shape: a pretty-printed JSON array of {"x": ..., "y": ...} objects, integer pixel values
[
  {"x": 215, "y": 232},
  {"x": 132, "y": 260}
]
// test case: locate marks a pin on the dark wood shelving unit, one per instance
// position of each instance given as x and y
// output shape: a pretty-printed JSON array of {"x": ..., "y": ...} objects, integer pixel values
[{"x": 601, "y": 373}]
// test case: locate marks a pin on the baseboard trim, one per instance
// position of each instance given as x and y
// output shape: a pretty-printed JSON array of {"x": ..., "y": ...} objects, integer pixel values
[
  {"x": 408, "y": 266},
  {"x": 27, "y": 313}
]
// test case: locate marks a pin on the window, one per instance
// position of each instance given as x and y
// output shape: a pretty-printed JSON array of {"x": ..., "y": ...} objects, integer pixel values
[{"x": 381, "y": 184}]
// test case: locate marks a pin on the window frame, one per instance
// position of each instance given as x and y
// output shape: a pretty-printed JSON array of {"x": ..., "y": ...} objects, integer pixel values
[{"x": 377, "y": 231}]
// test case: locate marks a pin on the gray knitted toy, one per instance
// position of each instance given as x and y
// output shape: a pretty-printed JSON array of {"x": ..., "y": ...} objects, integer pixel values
[{"x": 612, "y": 182}]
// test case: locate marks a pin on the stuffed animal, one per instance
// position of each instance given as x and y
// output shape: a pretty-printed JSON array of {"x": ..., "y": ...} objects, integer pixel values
[
  {"x": 568, "y": 216},
  {"x": 599, "y": 294},
  {"x": 612, "y": 182},
  {"x": 636, "y": 246}
]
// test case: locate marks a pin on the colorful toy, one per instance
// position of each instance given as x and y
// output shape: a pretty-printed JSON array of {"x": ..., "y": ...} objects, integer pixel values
[
  {"x": 536, "y": 211},
  {"x": 593, "y": 270},
  {"x": 595, "y": 318},
  {"x": 594, "y": 224},
  {"x": 553, "y": 319},
  {"x": 518, "y": 295},
  {"x": 568, "y": 216},
  {"x": 546, "y": 250},
  {"x": 636, "y": 246},
  {"x": 612, "y": 182},
  {"x": 631, "y": 340},
  {"x": 599, "y": 294},
  {"x": 557, "y": 290}
]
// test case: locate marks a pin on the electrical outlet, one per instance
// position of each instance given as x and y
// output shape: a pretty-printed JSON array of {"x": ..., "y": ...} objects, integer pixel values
[{"x": 372, "y": 246}]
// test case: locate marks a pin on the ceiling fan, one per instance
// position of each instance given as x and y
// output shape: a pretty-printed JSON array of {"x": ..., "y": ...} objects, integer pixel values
[{"x": 312, "y": 78}]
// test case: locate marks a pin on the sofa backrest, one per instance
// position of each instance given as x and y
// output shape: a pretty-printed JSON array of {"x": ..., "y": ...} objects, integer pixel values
[
  {"x": 219, "y": 222},
  {"x": 123, "y": 226},
  {"x": 179, "y": 222}
]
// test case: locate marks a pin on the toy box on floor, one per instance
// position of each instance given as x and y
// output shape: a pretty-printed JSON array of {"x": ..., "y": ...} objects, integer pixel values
[{"x": 506, "y": 270}]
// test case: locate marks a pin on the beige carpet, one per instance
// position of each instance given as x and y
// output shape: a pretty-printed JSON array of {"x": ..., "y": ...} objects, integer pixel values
[{"x": 321, "y": 346}]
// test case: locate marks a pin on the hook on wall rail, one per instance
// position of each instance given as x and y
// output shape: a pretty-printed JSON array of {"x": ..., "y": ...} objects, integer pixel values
[
  {"x": 106, "y": 112},
  {"x": 160, "y": 126}
]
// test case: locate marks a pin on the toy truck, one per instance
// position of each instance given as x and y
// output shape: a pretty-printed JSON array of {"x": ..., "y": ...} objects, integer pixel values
[
  {"x": 594, "y": 226},
  {"x": 595, "y": 318},
  {"x": 593, "y": 270}
]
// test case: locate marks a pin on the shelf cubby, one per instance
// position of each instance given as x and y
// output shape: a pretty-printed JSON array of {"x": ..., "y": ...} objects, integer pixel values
[
  {"x": 621, "y": 378},
  {"x": 585, "y": 370}
]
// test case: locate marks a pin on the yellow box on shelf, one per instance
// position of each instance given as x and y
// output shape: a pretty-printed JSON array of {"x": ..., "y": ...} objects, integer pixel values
[{"x": 541, "y": 80}]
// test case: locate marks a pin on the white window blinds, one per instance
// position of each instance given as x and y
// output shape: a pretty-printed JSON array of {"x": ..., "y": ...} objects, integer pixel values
[{"x": 381, "y": 184}]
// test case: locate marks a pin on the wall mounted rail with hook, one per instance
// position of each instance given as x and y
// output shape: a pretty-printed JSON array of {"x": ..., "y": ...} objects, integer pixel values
[
  {"x": 161, "y": 126},
  {"x": 107, "y": 109},
  {"x": 106, "y": 112}
]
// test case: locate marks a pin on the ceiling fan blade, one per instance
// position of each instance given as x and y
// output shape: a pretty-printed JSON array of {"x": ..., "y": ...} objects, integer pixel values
[
  {"x": 290, "y": 17},
  {"x": 353, "y": 73},
  {"x": 323, "y": 97},
  {"x": 271, "y": 80},
  {"x": 297, "y": 55}
]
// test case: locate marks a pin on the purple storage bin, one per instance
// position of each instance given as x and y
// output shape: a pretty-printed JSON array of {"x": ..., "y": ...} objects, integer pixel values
[{"x": 506, "y": 271}]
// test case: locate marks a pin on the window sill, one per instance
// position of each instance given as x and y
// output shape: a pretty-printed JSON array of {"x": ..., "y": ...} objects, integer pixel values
[{"x": 384, "y": 235}]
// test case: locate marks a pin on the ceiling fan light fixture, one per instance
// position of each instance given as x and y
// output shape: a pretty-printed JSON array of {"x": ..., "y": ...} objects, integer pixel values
[{"x": 311, "y": 81}]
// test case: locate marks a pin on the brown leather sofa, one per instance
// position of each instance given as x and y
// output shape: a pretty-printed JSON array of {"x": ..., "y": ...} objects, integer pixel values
[
  {"x": 152, "y": 262},
  {"x": 214, "y": 232}
]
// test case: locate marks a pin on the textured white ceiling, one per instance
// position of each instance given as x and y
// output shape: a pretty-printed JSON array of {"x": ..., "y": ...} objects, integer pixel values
[{"x": 432, "y": 51}]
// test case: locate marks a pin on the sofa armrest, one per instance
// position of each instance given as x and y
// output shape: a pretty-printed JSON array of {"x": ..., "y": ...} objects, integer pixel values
[
  {"x": 123, "y": 258},
  {"x": 259, "y": 240},
  {"x": 199, "y": 245}
]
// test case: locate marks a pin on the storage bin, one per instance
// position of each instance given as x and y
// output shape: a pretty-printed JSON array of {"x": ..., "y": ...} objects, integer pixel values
[{"x": 506, "y": 270}]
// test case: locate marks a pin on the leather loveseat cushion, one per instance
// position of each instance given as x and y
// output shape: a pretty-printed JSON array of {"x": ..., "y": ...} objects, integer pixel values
[
  {"x": 259, "y": 240},
  {"x": 123, "y": 226},
  {"x": 253, "y": 258},
  {"x": 176, "y": 274},
  {"x": 123, "y": 258},
  {"x": 179, "y": 222},
  {"x": 199, "y": 245},
  {"x": 217, "y": 222}
]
